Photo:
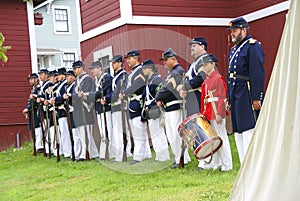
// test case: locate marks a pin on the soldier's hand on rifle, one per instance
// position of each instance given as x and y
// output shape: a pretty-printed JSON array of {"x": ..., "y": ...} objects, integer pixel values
[
  {"x": 52, "y": 101},
  {"x": 25, "y": 111},
  {"x": 121, "y": 95},
  {"x": 159, "y": 103},
  {"x": 38, "y": 100},
  {"x": 46, "y": 102},
  {"x": 103, "y": 101},
  {"x": 80, "y": 94},
  {"x": 179, "y": 87},
  {"x": 66, "y": 96},
  {"x": 182, "y": 93}
]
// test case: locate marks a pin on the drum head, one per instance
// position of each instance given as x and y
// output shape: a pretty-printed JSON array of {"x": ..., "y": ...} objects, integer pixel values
[{"x": 208, "y": 148}]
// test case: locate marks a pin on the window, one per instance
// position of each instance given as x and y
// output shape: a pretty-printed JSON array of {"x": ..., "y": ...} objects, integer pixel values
[
  {"x": 61, "y": 18},
  {"x": 68, "y": 59}
]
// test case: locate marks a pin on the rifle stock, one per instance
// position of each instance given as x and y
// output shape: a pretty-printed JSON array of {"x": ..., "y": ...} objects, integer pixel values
[
  {"x": 105, "y": 124},
  {"x": 87, "y": 155},
  {"x": 33, "y": 128},
  {"x": 181, "y": 161},
  {"x": 124, "y": 158},
  {"x": 42, "y": 118},
  {"x": 56, "y": 140},
  {"x": 70, "y": 128}
]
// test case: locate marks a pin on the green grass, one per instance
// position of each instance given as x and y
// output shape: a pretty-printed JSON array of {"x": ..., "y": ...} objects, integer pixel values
[{"x": 25, "y": 177}]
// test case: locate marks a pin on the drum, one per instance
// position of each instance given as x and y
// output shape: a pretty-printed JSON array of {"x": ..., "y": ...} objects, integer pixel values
[{"x": 200, "y": 136}]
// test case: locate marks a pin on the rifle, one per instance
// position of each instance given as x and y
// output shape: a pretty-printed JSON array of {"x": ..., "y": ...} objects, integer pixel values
[
  {"x": 70, "y": 127},
  {"x": 123, "y": 121},
  {"x": 87, "y": 156},
  {"x": 105, "y": 124},
  {"x": 55, "y": 129},
  {"x": 42, "y": 127},
  {"x": 181, "y": 161},
  {"x": 33, "y": 128},
  {"x": 48, "y": 131}
]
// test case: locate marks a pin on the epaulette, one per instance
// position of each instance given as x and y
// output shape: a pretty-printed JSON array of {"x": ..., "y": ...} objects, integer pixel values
[{"x": 252, "y": 40}]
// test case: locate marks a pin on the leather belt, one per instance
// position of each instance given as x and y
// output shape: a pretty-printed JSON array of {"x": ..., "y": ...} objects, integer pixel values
[
  {"x": 173, "y": 103},
  {"x": 242, "y": 77}
]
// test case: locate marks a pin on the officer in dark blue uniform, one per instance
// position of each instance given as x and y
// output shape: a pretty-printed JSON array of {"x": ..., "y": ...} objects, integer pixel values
[
  {"x": 103, "y": 82},
  {"x": 246, "y": 83},
  {"x": 134, "y": 89}
]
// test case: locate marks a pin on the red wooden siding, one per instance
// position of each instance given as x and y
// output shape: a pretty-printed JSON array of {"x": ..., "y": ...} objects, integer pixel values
[
  {"x": 98, "y": 12},
  {"x": 8, "y": 136},
  {"x": 202, "y": 8},
  {"x": 151, "y": 40},
  {"x": 14, "y": 87},
  {"x": 248, "y": 6}
]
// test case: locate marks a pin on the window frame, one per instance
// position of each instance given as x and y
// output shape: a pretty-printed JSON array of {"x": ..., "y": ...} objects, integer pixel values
[{"x": 54, "y": 8}]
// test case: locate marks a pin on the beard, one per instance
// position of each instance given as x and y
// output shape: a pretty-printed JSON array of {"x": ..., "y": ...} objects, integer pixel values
[{"x": 237, "y": 39}]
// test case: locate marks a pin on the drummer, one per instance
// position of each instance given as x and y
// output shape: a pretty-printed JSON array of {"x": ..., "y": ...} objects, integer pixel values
[{"x": 213, "y": 108}]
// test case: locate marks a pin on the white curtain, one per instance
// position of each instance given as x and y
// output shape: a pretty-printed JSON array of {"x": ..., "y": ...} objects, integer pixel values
[{"x": 271, "y": 170}]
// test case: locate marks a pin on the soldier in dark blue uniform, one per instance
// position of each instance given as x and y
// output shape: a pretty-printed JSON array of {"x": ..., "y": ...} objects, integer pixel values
[
  {"x": 194, "y": 76},
  {"x": 103, "y": 82},
  {"x": 118, "y": 85},
  {"x": 157, "y": 133},
  {"x": 134, "y": 89},
  {"x": 246, "y": 83},
  {"x": 29, "y": 113},
  {"x": 83, "y": 114},
  {"x": 169, "y": 97},
  {"x": 59, "y": 102}
]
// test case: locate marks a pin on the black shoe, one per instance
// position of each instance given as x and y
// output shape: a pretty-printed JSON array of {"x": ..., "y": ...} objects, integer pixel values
[
  {"x": 40, "y": 150},
  {"x": 134, "y": 162},
  {"x": 174, "y": 163},
  {"x": 80, "y": 159},
  {"x": 175, "y": 166}
]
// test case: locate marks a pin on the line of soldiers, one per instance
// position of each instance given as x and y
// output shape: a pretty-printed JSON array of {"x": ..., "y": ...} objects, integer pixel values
[{"x": 62, "y": 108}]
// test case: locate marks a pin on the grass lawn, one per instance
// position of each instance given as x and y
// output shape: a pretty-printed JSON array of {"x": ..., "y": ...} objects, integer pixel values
[{"x": 25, "y": 177}]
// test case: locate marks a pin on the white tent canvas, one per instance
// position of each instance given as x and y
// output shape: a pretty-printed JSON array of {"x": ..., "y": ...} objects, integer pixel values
[{"x": 271, "y": 170}]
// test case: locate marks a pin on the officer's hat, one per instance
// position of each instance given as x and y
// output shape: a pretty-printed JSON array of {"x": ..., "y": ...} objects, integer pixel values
[
  {"x": 70, "y": 72},
  {"x": 148, "y": 64},
  {"x": 78, "y": 64},
  {"x": 200, "y": 41},
  {"x": 168, "y": 53},
  {"x": 132, "y": 53},
  {"x": 238, "y": 23},
  {"x": 44, "y": 71},
  {"x": 61, "y": 71},
  {"x": 53, "y": 73},
  {"x": 117, "y": 58},
  {"x": 32, "y": 75},
  {"x": 95, "y": 64}
]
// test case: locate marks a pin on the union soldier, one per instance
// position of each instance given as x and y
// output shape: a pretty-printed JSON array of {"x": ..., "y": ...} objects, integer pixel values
[
  {"x": 83, "y": 114},
  {"x": 103, "y": 82},
  {"x": 135, "y": 86},
  {"x": 59, "y": 102},
  {"x": 194, "y": 76},
  {"x": 118, "y": 84},
  {"x": 246, "y": 83},
  {"x": 169, "y": 97},
  {"x": 157, "y": 133},
  {"x": 34, "y": 82}
]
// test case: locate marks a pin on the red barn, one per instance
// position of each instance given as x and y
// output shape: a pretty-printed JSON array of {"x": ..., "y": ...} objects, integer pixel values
[{"x": 17, "y": 26}]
